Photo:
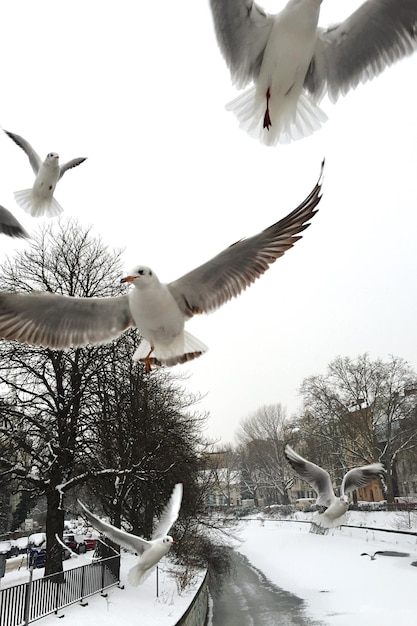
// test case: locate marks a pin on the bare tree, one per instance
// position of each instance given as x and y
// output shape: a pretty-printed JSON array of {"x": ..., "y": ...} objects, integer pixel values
[
  {"x": 359, "y": 412},
  {"x": 221, "y": 476},
  {"x": 147, "y": 422},
  {"x": 264, "y": 468},
  {"x": 90, "y": 416},
  {"x": 49, "y": 390}
]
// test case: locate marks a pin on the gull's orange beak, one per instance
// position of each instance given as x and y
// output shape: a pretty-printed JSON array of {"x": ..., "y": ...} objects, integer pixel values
[{"x": 127, "y": 279}]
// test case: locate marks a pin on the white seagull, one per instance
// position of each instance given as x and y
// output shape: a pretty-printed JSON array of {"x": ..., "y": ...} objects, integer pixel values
[
  {"x": 293, "y": 63},
  {"x": 320, "y": 480},
  {"x": 158, "y": 310},
  {"x": 9, "y": 225},
  {"x": 150, "y": 551},
  {"x": 39, "y": 200}
]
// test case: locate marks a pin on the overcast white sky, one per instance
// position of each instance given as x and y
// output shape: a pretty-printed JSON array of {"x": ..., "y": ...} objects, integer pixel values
[{"x": 139, "y": 88}]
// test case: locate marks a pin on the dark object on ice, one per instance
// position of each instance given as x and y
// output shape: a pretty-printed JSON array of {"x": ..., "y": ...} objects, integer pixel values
[
  {"x": 414, "y": 563},
  {"x": 385, "y": 553},
  {"x": 10, "y": 226}
]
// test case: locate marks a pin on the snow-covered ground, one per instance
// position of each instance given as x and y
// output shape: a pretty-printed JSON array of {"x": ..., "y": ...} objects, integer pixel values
[
  {"x": 341, "y": 587},
  {"x": 128, "y": 606}
]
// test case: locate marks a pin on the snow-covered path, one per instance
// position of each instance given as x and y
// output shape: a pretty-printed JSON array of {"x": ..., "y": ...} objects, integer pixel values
[{"x": 341, "y": 587}]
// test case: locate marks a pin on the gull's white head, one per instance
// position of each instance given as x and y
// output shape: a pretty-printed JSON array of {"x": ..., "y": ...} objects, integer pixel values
[
  {"x": 139, "y": 276},
  {"x": 165, "y": 543},
  {"x": 344, "y": 500},
  {"x": 51, "y": 156},
  {"x": 168, "y": 540}
]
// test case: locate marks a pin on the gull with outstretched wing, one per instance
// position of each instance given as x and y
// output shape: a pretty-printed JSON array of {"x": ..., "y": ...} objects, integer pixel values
[
  {"x": 293, "y": 62},
  {"x": 151, "y": 551},
  {"x": 158, "y": 310},
  {"x": 39, "y": 200},
  {"x": 321, "y": 482}
]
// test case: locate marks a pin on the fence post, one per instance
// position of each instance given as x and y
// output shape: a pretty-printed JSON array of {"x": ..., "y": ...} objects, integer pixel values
[
  {"x": 82, "y": 587},
  {"x": 104, "y": 595},
  {"x": 28, "y": 595},
  {"x": 58, "y": 581}
]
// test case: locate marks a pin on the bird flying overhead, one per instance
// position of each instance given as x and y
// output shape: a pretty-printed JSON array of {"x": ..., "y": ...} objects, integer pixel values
[
  {"x": 150, "y": 551},
  {"x": 372, "y": 556},
  {"x": 385, "y": 553},
  {"x": 321, "y": 482},
  {"x": 39, "y": 200},
  {"x": 293, "y": 63},
  {"x": 9, "y": 225},
  {"x": 158, "y": 310}
]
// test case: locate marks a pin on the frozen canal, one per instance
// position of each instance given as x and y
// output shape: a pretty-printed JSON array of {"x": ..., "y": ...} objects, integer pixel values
[{"x": 249, "y": 599}]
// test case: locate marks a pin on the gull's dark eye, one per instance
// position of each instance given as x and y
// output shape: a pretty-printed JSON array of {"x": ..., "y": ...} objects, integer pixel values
[{"x": 141, "y": 272}]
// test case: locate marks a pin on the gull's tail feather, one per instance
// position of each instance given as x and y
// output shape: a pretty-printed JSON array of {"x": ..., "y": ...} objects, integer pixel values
[
  {"x": 292, "y": 118},
  {"x": 137, "y": 575},
  {"x": 185, "y": 348},
  {"x": 35, "y": 206},
  {"x": 321, "y": 519}
]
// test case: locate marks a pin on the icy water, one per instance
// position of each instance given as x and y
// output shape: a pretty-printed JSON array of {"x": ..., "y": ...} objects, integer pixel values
[{"x": 250, "y": 599}]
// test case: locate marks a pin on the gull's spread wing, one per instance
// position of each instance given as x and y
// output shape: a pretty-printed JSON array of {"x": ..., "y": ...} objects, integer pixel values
[
  {"x": 361, "y": 476},
  {"x": 56, "y": 321},
  {"x": 242, "y": 30},
  {"x": 317, "y": 477},
  {"x": 70, "y": 164},
  {"x": 34, "y": 158},
  {"x": 9, "y": 225},
  {"x": 212, "y": 284},
  {"x": 119, "y": 536},
  {"x": 376, "y": 35},
  {"x": 170, "y": 513}
]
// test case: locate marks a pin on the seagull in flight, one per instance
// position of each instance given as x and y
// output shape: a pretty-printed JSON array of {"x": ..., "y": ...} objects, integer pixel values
[
  {"x": 321, "y": 482},
  {"x": 293, "y": 62},
  {"x": 158, "y": 310},
  {"x": 10, "y": 226},
  {"x": 39, "y": 200},
  {"x": 385, "y": 553},
  {"x": 150, "y": 551}
]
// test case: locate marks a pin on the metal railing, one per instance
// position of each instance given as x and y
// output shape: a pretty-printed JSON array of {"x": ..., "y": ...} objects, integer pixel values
[
  {"x": 27, "y": 602},
  {"x": 398, "y": 531}
]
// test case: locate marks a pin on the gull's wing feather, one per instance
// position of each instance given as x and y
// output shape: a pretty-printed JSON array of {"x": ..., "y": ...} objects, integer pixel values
[
  {"x": 360, "y": 477},
  {"x": 225, "y": 276},
  {"x": 317, "y": 477},
  {"x": 56, "y": 321},
  {"x": 9, "y": 225},
  {"x": 242, "y": 31},
  {"x": 170, "y": 513},
  {"x": 69, "y": 164},
  {"x": 34, "y": 158},
  {"x": 119, "y": 536},
  {"x": 376, "y": 35}
]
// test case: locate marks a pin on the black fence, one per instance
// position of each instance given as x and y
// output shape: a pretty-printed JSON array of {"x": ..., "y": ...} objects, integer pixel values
[{"x": 34, "y": 599}]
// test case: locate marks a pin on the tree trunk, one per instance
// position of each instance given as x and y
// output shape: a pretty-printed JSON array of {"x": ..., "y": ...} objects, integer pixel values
[
  {"x": 390, "y": 485},
  {"x": 54, "y": 526}
]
